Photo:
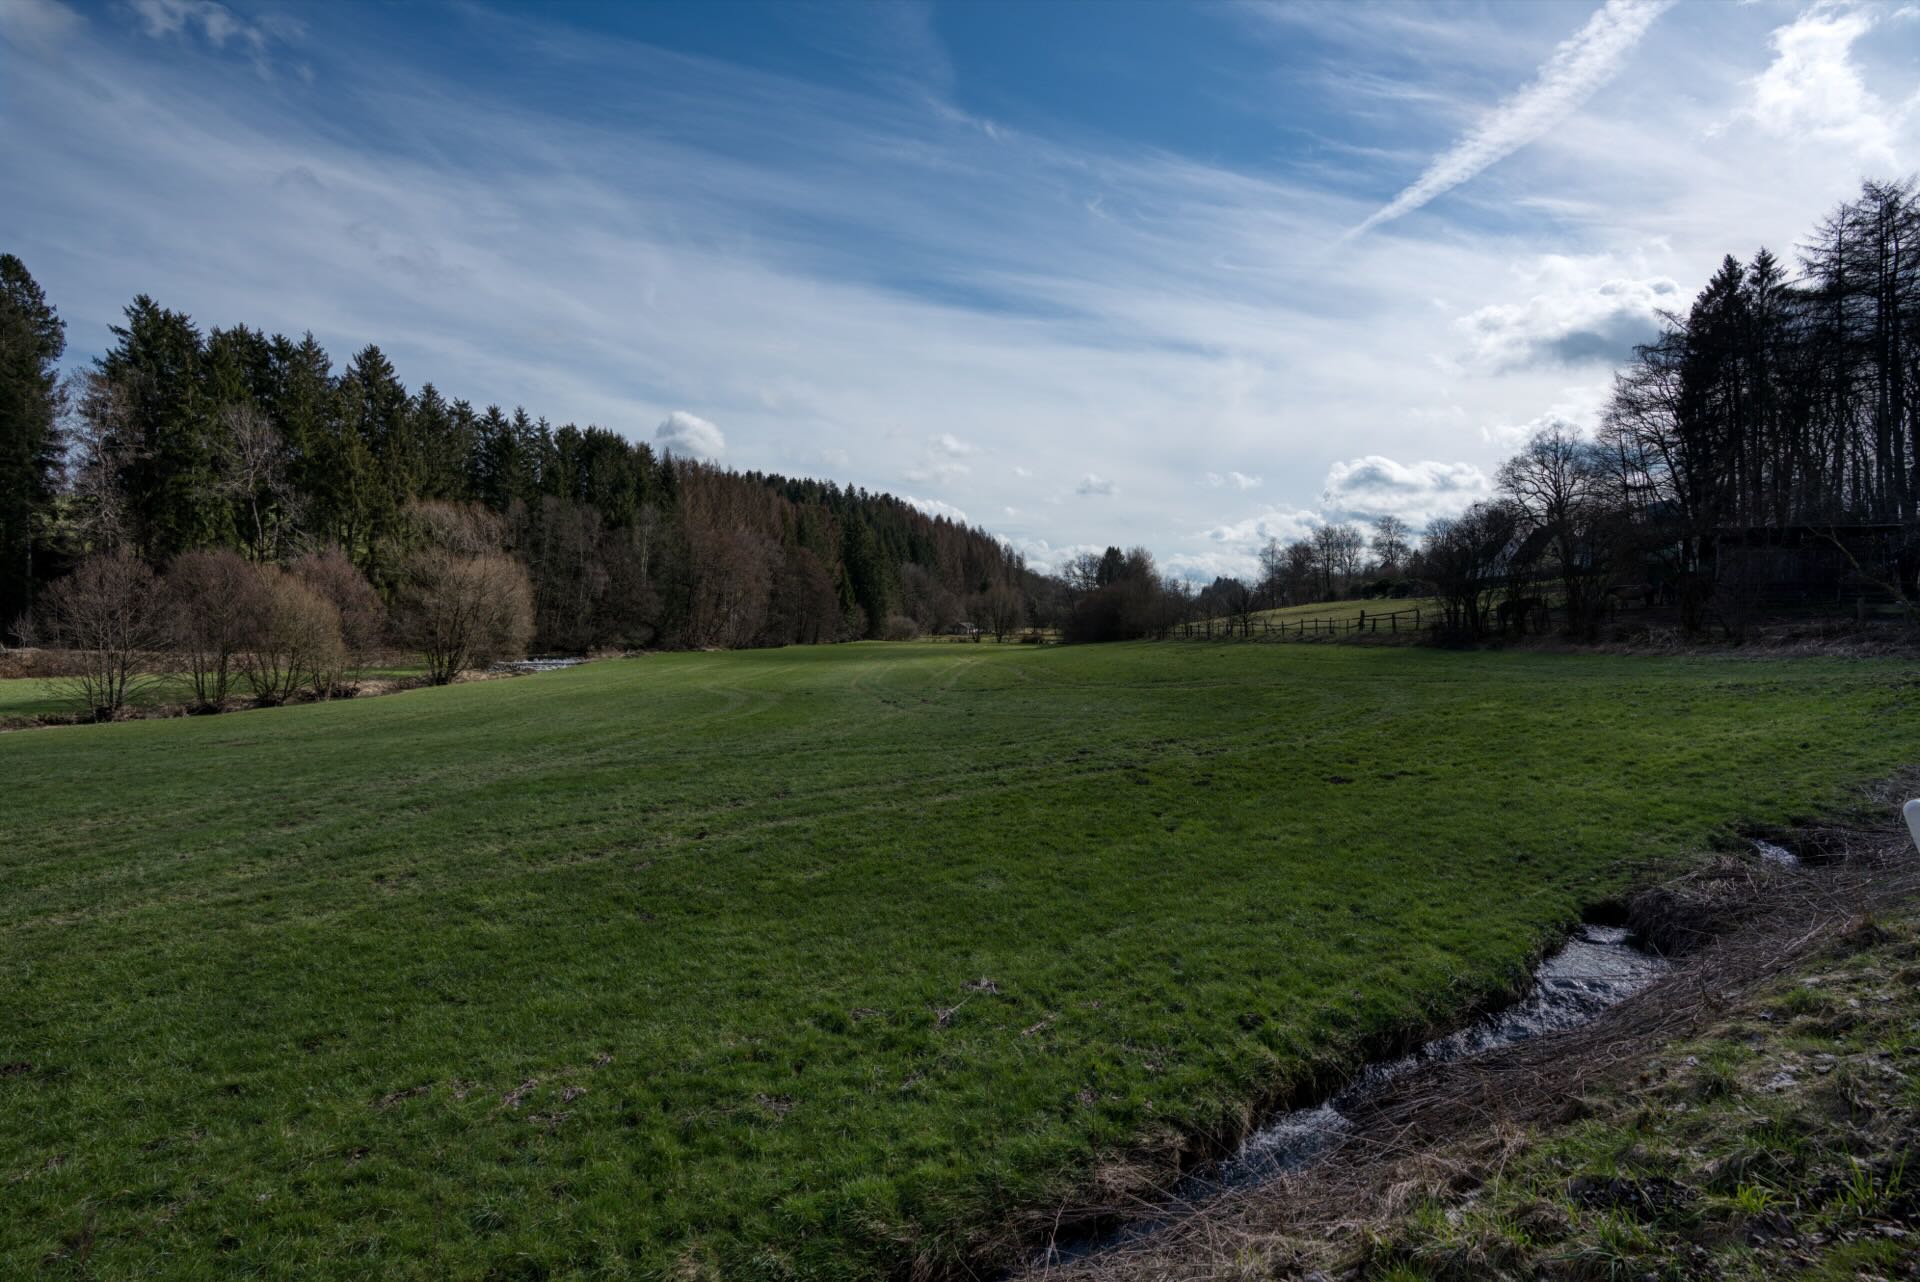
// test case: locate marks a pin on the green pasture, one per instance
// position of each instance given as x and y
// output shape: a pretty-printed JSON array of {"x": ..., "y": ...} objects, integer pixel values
[{"x": 812, "y": 963}]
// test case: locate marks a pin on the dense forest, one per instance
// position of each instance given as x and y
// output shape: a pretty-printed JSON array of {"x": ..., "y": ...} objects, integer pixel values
[{"x": 178, "y": 440}]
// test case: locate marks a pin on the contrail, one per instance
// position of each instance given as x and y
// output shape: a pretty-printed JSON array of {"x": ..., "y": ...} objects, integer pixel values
[{"x": 1579, "y": 66}]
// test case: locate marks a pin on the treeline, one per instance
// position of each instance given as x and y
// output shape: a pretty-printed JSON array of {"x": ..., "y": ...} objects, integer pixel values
[
  {"x": 1765, "y": 445},
  {"x": 178, "y": 441}
]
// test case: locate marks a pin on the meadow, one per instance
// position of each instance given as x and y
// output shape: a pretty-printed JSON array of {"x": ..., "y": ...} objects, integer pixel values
[{"x": 830, "y": 962}]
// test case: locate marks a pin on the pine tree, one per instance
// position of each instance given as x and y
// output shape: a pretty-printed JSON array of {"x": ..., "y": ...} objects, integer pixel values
[{"x": 32, "y": 338}]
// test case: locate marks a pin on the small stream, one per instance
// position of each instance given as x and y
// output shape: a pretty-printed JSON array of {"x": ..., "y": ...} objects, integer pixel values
[
  {"x": 1596, "y": 969},
  {"x": 551, "y": 663}
]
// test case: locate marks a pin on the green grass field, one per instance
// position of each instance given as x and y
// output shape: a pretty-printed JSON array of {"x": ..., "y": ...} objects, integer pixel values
[{"x": 671, "y": 966}]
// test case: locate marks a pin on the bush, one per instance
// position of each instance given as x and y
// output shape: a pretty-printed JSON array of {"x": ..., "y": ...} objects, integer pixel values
[
  {"x": 293, "y": 634},
  {"x": 463, "y": 611},
  {"x": 363, "y": 619},
  {"x": 900, "y": 628}
]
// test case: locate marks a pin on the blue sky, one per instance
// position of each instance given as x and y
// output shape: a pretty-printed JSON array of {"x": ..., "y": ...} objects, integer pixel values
[{"x": 1186, "y": 275}]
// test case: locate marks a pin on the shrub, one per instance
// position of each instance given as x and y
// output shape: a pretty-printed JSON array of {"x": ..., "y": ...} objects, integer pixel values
[
  {"x": 462, "y": 611},
  {"x": 900, "y": 628},
  {"x": 363, "y": 619},
  {"x": 293, "y": 633}
]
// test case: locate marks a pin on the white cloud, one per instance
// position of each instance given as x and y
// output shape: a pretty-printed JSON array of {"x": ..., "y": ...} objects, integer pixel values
[
  {"x": 934, "y": 507},
  {"x": 1575, "y": 315},
  {"x": 952, "y": 446},
  {"x": 689, "y": 435},
  {"x": 1046, "y": 558},
  {"x": 924, "y": 473},
  {"x": 1233, "y": 549},
  {"x": 1578, "y": 408},
  {"x": 1578, "y": 67},
  {"x": 1095, "y": 484},
  {"x": 1813, "y": 94},
  {"x": 1373, "y": 486},
  {"x": 1238, "y": 480},
  {"x": 1252, "y": 533}
]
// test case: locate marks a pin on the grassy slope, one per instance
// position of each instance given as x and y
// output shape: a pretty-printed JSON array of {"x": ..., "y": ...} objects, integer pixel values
[
  {"x": 1781, "y": 1143},
  {"x": 268, "y": 982}
]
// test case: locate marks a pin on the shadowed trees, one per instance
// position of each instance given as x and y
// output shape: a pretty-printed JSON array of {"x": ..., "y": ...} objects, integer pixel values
[{"x": 32, "y": 338}]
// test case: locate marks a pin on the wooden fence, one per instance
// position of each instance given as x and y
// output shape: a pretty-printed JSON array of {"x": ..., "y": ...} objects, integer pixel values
[{"x": 1389, "y": 621}]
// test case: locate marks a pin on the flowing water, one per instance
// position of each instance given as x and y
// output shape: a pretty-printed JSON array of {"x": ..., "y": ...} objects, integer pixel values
[
  {"x": 551, "y": 664},
  {"x": 1597, "y": 969}
]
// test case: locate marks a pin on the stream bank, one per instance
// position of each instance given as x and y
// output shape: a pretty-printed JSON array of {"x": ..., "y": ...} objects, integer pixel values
[{"x": 1569, "y": 1155}]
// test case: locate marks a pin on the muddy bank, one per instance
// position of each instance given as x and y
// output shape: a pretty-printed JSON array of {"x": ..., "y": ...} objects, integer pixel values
[{"x": 1734, "y": 926}]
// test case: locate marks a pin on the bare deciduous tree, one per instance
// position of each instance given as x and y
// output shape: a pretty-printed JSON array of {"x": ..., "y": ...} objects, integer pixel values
[
  {"x": 1392, "y": 542},
  {"x": 1338, "y": 549},
  {"x": 108, "y": 612},
  {"x": 209, "y": 597},
  {"x": 463, "y": 611},
  {"x": 1558, "y": 481},
  {"x": 1001, "y": 610},
  {"x": 255, "y": 465},
  {"x": 293, "y": 633},
  {"x": 1467, "y": 558},
  {"x": 363, "y": 619}
]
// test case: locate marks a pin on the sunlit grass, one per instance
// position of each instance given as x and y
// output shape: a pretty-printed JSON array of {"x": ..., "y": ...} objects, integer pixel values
[{"x": 806, "y": 962}]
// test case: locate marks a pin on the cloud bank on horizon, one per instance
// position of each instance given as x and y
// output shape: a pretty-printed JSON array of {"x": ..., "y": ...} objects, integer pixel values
[{"x": 1337, "y": 264}]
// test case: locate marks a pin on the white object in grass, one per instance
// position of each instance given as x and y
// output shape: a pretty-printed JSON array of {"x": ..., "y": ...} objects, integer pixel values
[{"x": 1912, "y": 811}]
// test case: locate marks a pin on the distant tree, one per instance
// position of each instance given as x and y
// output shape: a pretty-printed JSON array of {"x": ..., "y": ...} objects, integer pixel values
[
  {"x": 209, "y": 598},
  {"x": 164, "y": 433},
  {"x": 107, "y": 612},
  {"x": 32, "y": 338},
  {"x": 1392, "y": 543},
  {"x": 1338, "y": 549},
  {"x": 1466, "y": 558},
  {"x": 1301, "y": 570},
  {"x": 1082, "y": 572},
  {"x": 1557, "y": 481},
  {"x": 462, "y": 610},
  {"x": 1234, "y": 597},
  {"x": 1000, "y": 610},
  {"x": 1272, "y": 583}
]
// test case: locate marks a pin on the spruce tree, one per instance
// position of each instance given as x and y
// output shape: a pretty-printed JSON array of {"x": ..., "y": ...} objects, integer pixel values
[{"x": 32, "y": 337}]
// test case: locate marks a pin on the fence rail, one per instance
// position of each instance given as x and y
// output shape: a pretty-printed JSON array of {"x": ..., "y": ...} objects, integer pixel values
[{"x": 1389, "y": 621}]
